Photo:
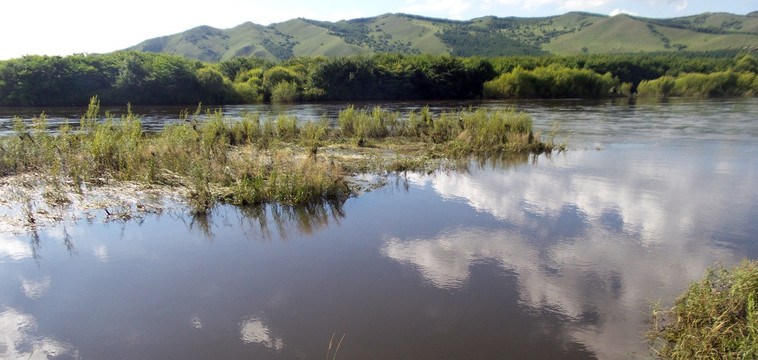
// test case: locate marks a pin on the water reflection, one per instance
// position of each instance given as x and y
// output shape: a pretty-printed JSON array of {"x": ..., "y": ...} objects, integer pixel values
[
  {"x": 14, "y": 248},
  {"x": 35, "y": 288},
  {"x": 266, "y": 222},
  {"x": 17, "y": 339},
  {"x": 593, "y": 235},
  {"x": 254, "y": 331}
]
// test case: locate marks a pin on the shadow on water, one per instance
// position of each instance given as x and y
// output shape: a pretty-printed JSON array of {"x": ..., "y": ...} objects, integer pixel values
[{"x": 268, "y": 222}]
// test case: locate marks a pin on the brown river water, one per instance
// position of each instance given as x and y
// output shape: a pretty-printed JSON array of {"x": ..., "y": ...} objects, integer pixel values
[{"x": 542, "y": 257}]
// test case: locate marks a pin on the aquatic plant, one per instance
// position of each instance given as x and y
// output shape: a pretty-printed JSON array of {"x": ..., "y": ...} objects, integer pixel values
[
  {"x": 716, "y": 318},
  {"x": 249, "y": 161}
]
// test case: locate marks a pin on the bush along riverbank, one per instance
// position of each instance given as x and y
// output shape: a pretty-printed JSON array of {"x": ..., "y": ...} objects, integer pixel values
[
  {"x": 161, "y": 79},
  {"x": 716, "y": 318},
  {"x": 211, "y": 159}
]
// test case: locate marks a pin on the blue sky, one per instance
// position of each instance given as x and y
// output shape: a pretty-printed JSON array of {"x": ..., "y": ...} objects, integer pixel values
[{"x": 55, "y": 27}]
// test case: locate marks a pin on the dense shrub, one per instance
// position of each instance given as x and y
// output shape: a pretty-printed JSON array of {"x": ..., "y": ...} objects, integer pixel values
[
  {"x": 551, "y": 82},
  {"x": 149, "y": 78}
]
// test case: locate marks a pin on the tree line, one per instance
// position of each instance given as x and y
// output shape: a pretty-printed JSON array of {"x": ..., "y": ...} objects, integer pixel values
[{"x": 161, "y": 79}]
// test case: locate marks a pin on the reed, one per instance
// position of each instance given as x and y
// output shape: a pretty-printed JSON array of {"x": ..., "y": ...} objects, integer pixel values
[
  {"x": 716, "y": 318},
  {"x": 248, "y": 161},
  {"x": 332, "y": 345}
]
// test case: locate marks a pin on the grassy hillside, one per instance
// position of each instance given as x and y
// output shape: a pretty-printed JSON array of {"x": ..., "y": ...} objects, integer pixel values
[
  {"x": 572, "y": 33},
  {"x": 211, "y": 44},
  {"x": 310, "y": 39},
  {"x": 626, "y": 34}
]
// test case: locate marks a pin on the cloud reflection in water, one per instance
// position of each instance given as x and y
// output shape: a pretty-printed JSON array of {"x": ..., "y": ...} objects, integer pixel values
[
  {"x": 35, "y": 289},
  {"x": 18, "y": 342},
  {"x": 254, "y": 331},
  {"x": 636, "y": 231},
  {"x": 14, "y": 248}
]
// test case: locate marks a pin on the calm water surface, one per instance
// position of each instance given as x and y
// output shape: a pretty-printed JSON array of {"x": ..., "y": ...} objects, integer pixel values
[{"x": 543, "y": 257}]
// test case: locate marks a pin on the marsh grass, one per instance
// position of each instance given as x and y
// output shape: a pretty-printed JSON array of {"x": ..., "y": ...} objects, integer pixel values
[
  {"x": 716, "y": 318},
  {"x": 250, "y": 161}
]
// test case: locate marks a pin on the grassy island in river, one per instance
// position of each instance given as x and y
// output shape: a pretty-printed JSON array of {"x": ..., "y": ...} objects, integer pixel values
[{"x": 249, "y": 161}]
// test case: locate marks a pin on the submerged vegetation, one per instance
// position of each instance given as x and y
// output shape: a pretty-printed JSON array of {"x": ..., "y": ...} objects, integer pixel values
[
  {"x": 716, "y": 318},
  {"x": 250, "y": 161},
  {"x": 160, "y": 79}
]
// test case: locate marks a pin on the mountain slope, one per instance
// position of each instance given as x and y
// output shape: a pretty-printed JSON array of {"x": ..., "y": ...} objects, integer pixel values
[
  {"x": 570, "y": 33},
  {"x": 626, "y": 34}
]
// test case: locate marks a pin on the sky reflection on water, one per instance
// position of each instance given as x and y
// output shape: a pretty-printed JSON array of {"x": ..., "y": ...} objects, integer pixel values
[{"x": 596, "y": 235}]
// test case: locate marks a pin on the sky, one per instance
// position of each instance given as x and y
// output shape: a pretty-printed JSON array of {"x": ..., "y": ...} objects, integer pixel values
[{"x": 55, "y": 27}]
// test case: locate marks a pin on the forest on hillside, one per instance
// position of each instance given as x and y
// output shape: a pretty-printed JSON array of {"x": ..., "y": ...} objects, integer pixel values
[{"x": 160, "y": 79}]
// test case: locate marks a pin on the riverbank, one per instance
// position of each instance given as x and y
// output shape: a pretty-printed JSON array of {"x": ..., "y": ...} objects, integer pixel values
[{"x": 246, "y": 161}]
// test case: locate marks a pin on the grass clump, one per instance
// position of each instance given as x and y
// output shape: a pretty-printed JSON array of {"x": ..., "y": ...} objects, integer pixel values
[
  {"x": 452, "y": 134},
  {"x": 716, "y": 318}
]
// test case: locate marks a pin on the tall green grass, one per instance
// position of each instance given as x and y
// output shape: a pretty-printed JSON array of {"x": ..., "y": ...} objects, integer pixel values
[
  {"x": 553, "y": 81},
  {"x": 726, "y": 83},
  {"x": 716, "y": 318},
  {"x": 457, "y": 133},
  {"x": 251, "y": 161}
]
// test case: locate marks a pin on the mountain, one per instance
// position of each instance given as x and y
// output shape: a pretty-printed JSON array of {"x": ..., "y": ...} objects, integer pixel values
[{"x": 571, "y": 33}]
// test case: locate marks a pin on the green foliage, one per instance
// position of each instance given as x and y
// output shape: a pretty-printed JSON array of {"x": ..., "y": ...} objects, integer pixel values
[
  {"x": 238, "y": 65},
  {"x": 54, "y": 80},
  {"x": 215, "y": 88},
  {"x": 550, "y": 82},
  {"x": 716, "y": 318},
  {"x": 394, "y": 77},
  {"x": 278, "y": 74},
  {"x": 747, "y": 64},
  {"x": 502, "y": 130},
  {"x": 249, "y": 92},
  {"x": 285, "y": 91},
  {"x": 365, "y": 124},
  {"x": 142, "y": 78},
  {"x": 660, "y": 88},
  {"x": 725, "y": 83}
]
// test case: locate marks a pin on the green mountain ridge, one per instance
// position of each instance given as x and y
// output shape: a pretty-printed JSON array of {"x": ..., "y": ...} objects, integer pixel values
[{"x": 571, "y": 33}]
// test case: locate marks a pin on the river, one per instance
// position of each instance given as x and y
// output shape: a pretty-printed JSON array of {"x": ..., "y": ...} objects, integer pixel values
[{"x": 539, "y": 257}]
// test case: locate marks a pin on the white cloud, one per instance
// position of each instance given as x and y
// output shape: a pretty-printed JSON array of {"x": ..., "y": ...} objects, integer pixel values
[
  {"x": 562, "y": 5},
  {"x": 452, "y": 8},
  {"x": 620, "y": 11},
  {"x": 678, "y": 4},
  {"x": 344, "y": 15}
]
